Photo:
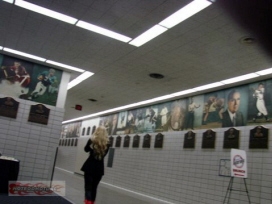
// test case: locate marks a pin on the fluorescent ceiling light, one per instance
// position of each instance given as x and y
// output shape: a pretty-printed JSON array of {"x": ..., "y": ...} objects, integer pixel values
[
  {"x": 265, "y": 72},
  {"x": 65, "y": 66},
  {"x": 208, "y": 86},
  {"x": 24, "y": 54},
  {"x": 46, "y": 12},
  {"x": 184, "y": 13},
  {"x": 79, "y": 79},
  {"x": 1, "y": 48},
  {"x": 180, "y": 93},
  {"x": 9, "y": 1},
  {"x": 240, "y": 78},
  {"x": 103, "y": 31},
  {"x": 148, "y": 35}
]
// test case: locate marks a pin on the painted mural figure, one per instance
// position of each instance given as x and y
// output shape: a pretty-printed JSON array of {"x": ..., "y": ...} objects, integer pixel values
[
  {"x": 176, "y": 120},
  {"x": 46, "y": 79},
  {"x": 233, "y": 117},
  {"x": 163, "y": 115},
  {"x": 191, "y": 113},
  {"x": 209, "y": 107},
  {"x": 260, "y": 103},
  {"x": 17, "y": 75}
]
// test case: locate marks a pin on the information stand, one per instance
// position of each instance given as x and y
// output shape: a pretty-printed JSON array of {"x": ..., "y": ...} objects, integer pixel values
[{"x": 238, "y": 170}]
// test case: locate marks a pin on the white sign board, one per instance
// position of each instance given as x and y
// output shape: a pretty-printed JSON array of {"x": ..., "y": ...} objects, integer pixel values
[{"x": 238, "y": 163}]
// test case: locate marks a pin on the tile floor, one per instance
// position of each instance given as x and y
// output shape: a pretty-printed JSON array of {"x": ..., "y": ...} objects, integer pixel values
[{"x": 105, "y": 194}]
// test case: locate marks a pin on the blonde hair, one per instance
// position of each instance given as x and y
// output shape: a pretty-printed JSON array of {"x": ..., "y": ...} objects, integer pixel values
[{"x": 100, "y": 141}]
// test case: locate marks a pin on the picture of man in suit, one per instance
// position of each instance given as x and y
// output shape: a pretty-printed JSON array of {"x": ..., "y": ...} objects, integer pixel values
[{"x": 232, "y": 117}]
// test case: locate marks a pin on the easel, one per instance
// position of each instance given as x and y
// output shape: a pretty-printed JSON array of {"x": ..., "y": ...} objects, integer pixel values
[{"x": 230, "y": 189}]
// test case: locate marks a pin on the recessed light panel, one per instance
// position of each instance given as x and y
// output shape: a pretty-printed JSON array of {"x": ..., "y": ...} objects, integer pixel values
[
  {"x": 65, "y": 66},
  {"x": 184, "y": 13},
  {"x": 148, "y": 35},
  {"x": 102, "y": 31},
  {"x": 45, "y": 11},
  {"x": 240, "y": 78},
  {"x": 24, "y": 54},
  {"x": 79, "y": 79}
]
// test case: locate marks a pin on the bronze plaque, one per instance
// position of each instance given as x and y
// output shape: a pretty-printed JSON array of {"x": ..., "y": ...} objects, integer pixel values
[
  {"x": 231, "y": 139},
  {"x": 147, "y": 140},
  {"x": 126, "y": 141},
  {"x": 118, "y": 141},
  {"x": 208, "y": 140},
  {"x": 189, "y": 140},
  {"x": 136, "y": 141},
  {"x": 258, "y": 138},
  {"x": 39, "y": 114},
  {"x": 111, "y": 140},
  {"x": 8, "y": 107},
  {"x": 159, "y": 140}
]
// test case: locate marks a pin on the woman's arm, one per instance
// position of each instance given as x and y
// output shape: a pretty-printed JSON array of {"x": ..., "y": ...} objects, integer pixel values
[{"x": 87, "y": 147}]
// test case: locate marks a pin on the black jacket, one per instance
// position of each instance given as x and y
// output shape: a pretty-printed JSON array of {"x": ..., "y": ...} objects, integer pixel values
[{"x": 93, "y": 166}]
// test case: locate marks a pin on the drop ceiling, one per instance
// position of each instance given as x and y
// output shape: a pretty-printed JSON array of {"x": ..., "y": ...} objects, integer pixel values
[{"x": 203, "y": 49}]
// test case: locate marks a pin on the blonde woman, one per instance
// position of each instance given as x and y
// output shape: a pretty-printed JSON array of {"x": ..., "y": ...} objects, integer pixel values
[{"x": 93, "y": 168}]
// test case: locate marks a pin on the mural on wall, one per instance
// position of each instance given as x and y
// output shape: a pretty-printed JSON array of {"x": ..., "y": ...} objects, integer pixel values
[
  {"x": 259, "y": 102},
  {"x": 213, "y": 107},
  {"x": 29, "y": 81},
  {"x": 238, "y": 106},
  {"x": 71, "y": 130}
]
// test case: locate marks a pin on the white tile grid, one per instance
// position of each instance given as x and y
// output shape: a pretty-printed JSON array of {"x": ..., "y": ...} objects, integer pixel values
[
  {"x": 66, "y": 158},
  {"x": 32, "y": 143},
  {"x": 180, "y": 175}
]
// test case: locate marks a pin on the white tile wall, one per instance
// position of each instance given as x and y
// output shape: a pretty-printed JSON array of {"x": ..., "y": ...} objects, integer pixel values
[
  {"x": 32, "y": 143},
  {"x": 185, "y": 176}
]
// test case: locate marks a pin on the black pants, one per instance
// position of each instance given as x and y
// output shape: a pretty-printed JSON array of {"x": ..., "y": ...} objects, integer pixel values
[{"x": 91, "y": 183}]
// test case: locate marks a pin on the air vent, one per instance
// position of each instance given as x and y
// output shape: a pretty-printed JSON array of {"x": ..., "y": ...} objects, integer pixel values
[{"x": 156, "y": 76}]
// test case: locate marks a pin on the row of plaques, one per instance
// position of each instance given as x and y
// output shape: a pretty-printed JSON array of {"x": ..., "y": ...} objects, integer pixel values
[
  {"x": 68, "y": 142},
  {"x": 136, "y": 141},
  {"x": 258, "y": 139},
  {"x": 37, "y": 114}
]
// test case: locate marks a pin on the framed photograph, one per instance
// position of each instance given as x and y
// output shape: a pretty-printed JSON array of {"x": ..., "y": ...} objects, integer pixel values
[
  {"x": 136, "y": 141},
  {"x": 231, "y": 138},
  {"x": 208, "y": 139},
  {"x": 189, "y": 140},
  {"x": 159, "y": 140},
  {"x": 8, "y": 107},
  {"x": 39, "y": 114},
  {"x": 258, "y": 138}
]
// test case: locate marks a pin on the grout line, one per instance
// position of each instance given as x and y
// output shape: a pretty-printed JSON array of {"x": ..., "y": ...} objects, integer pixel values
[{"x": 153, "y": 198}]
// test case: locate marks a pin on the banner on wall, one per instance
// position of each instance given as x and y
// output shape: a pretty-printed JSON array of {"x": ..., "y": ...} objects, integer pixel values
[
  {"x": 29, "y": 81},
  {"x": 238, "y": 161}
]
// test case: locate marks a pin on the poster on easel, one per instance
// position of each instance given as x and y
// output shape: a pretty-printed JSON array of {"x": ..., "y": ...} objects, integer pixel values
[{"x": 238, "y": 163}]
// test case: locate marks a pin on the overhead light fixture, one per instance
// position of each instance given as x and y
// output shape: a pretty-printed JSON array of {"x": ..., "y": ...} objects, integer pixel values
[
  {"x": 148, "y": 35},
  {"x": 1, "y": 48},
  {"x": 240, "y": 78},
  {"x": 46, "y": 12},
  {"x": 103, "y": 31},
  {"x": 79, "y": 79},
  {"x": 65, "y": 66},
  {"x": 265, "y": 72},
  {"x": 208, "y": 86},
  {"x": 9, "y": 1},
  {"x": 181, "y": 93},
  {"x": 24, "y": 54},
  {"x": 184, "y": 13}
]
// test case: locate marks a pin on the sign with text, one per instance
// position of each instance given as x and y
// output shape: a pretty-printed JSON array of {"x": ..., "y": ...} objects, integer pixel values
[{"x": 238, "y": 163}]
